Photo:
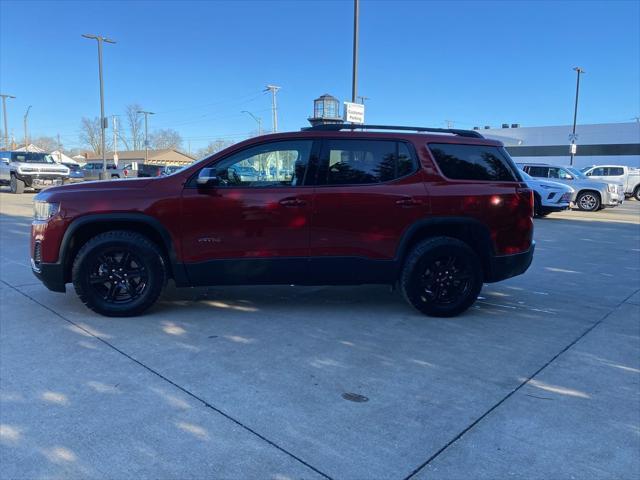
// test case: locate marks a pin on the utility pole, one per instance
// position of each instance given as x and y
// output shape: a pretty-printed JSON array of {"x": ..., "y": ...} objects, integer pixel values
[
  {"x": 114, "y": 119},
  {"x": 59, "y": 149},
  {"x": 362, "y": 99},
  {"x": 103, "y": 121},
  {"x": 4, "y": 115},
  {"x": 449, "y": 123},
  {"x": 274, "y": 107},
  {"x": 579, "y": 71},
  {"x": 26, "y": 129},
  {"x": 146, "y": 133},
  {"x": 354, "y": 79},
  {"x": 257, "y": 119}
]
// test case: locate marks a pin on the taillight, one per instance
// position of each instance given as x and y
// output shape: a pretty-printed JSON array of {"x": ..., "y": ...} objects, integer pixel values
[
  {"x": 126, "y": 173},
  {"x": 525, "y": 195}
]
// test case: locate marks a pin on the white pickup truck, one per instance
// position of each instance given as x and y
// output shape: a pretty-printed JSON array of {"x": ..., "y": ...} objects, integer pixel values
[{"x": 629, "y": 176}]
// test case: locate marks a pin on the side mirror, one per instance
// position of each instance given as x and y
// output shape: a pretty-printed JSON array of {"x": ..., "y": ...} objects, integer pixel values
[{"x": 207, "y": 178}]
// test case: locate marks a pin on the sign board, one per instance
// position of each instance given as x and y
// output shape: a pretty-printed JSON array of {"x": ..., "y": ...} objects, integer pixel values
[
  {"x": 353, "y": 112},
  {"x": 573, "y": 148}
]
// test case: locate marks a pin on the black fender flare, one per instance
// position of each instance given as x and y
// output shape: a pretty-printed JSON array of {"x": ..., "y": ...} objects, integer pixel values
[
  {"x": 478, "y": 231},
  {"x": 177, "y": 267}
]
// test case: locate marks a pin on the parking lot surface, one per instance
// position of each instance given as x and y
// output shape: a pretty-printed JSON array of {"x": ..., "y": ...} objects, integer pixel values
[{"x": 540, "y": 379}]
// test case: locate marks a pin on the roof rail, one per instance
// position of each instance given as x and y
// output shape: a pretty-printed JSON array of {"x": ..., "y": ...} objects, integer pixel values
[{"x": 336, "y": 127}]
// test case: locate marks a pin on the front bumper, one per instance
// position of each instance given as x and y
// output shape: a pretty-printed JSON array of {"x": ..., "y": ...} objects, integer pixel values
[
  {"x": 50, "y": 274},
  {"x": 507, "y": 266},
  {"x": 41, "y": 181}
]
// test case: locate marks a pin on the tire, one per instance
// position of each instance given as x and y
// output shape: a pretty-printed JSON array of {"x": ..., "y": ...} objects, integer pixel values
[
  {"x": 588, "y": 201},
  {"x": 125, "y": 255},
  {"x": 537, "y": 206},
  {"x": 115, "y": 176},
  {"x": 636, "y": 193},
  {"x": 17, "y": 185},
  {"x": 427, "y": 272}
]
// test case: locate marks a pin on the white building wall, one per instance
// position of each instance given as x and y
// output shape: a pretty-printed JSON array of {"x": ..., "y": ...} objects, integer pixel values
[{"x": 592, "y": 134}]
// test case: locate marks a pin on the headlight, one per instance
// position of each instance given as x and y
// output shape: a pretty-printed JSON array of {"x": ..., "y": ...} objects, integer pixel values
[
  {"x": 45, "y": 210},
  {"x": 612, "y": 188}
]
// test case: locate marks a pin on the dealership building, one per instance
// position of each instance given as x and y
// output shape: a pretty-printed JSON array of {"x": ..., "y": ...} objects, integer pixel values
[{"x": 596, "y": 144}]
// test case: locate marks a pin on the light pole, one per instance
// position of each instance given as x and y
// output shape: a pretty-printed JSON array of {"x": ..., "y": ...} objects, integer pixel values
[
  {"x": 258, "y": 120},
  {"x": 274, "y": 106},
  {"x": 354, "y": 78},
  {"x": 146, "y": 133},
  {"x": 26, "y": 130},
  {"x": 103, "y": 121},
  {"x": 4, "y": 115},
  {"x": 579, "y": 71}
]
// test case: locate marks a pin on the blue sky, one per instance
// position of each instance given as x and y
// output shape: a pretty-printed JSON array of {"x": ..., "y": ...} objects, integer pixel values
[{"x": 198, "y": 64}]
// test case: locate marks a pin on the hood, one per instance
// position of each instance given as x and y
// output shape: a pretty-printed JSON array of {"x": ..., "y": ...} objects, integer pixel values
[
  {"x": 107, "y": 187},
  {"x": 556, "y": 185}
]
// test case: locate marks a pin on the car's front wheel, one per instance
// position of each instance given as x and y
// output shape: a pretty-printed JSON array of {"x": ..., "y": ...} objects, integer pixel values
[
  {"x": 636, "y": 193},
  {"x": 17, "y": 185},
  {"x": 119, "y": 273},
  {"x": 588, "y": 201},
  {"x": 441, "y": 277}
]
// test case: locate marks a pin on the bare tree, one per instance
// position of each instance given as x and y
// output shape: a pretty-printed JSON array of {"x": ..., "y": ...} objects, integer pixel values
[
  {"x": 48, "y": 144},
  {"x": 165, "y": 138},
  {"x": 213, "y": 147},
  {"x": 136, "y": 131},
  {"x": 90, "y": 134}
]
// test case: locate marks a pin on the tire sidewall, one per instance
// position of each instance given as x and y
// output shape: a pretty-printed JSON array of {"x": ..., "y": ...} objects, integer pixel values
[
  {"x": 152, "y": 261},
  {"x": 426, "y": 254}
]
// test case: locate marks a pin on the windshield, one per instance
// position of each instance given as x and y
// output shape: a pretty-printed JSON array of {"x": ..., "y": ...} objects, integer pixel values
[
  {"x": 31, "y": 157},
  {"x": 577, "y": 173}
]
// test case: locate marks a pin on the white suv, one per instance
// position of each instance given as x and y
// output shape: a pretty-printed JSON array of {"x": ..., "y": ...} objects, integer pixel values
[{"x": 34, "y": 170}]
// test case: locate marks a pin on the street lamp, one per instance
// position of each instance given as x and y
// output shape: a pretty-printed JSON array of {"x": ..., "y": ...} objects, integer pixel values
[
  {"x": 579, "y": 71},
  {"x": 26, "y": 130},
  {"x": 146, "y": 133},
  {"x": 258, "y": 120},
  {"x": 4, "y": 115},
  {"x": 103, "y": 121}
]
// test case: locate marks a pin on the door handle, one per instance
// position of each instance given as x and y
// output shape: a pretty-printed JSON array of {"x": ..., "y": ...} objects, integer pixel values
[
  {"x": 292, "y": 202},
  {"x": 408, "y": 202}
]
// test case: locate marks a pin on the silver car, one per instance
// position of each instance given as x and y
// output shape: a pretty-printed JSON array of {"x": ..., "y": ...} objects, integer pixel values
[{"x": 590, "y": 195}]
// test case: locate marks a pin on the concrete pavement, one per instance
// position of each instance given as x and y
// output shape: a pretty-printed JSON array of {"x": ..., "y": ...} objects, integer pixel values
[{"x": 541, "y": 378}]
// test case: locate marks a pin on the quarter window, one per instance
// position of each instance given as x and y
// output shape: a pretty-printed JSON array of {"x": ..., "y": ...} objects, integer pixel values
[
  {"x": 279, "y": 164},
  {"x": 616, "y": 171},
  {"x": 473, "y": 162},
  {"x": 359, "y": 162}
]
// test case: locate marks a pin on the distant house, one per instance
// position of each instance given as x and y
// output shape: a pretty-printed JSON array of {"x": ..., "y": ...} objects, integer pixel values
[{"x": 156, "y": 157}]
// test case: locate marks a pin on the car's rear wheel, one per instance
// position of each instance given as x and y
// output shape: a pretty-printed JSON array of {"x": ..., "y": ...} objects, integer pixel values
[
  {"x": 588, "y": 201},
  {"x": 441, "y": 277},
  {"x": 119, "y": 273},
  {"x": 636, "y": 193},
  {"x": 17, "y": 185}
]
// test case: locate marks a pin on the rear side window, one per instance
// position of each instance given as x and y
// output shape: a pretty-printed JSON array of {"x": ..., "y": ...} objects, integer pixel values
[
  {"x": 359, "y": 162},
  {"x": 539, "y": 172},
  {"x": 615, "y": 171},
  {"x": 472, "y": 162}
]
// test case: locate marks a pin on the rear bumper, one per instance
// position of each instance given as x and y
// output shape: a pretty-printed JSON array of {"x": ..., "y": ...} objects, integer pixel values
[
  {"x": 51, "y": 275},
  {"x": 507, "y": 266}
]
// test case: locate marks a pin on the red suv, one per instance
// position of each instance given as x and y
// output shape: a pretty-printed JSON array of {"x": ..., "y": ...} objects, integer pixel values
[{"x": 436, "y": 212}]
